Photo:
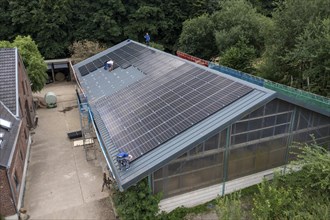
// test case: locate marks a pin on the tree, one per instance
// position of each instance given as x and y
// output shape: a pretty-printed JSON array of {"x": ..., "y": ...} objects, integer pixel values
[
  {"x": 229, "y": 207},
  {"x": 289, "y": 38},
  {"x": 32, "y": 59},
  {"x": 137, "y": 202},
  {"x": 7, "y": 30},
  {"x": 197, "y": 37},
  {"x": 238, "y": 20},
  {"x": 81, "y": 50},
  {"x": 311, "y": 57},
  {"x": 302, "y": 194},
  {"x": 100, "y": 21},
  {"x": 239, "y": 57},
  {"x": 47, "y": 22}
]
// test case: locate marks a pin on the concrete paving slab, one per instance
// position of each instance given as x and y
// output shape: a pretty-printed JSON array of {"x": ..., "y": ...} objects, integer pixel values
[{"x": 60, "y": 183}]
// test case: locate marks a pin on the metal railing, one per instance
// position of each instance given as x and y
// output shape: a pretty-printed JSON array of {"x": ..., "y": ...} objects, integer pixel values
[{"x": 307, "y": 97}]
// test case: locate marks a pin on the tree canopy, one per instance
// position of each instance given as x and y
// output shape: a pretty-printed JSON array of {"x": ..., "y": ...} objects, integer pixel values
[
  {"x": 32, "y": 59},
  {"x": 297, "y": 46},
  {"x": 286, "y": 41}
]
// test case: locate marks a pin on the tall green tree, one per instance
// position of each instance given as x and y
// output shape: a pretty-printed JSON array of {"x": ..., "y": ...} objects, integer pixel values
[
  {"x": 236, "y": 21},
  {"x": 240, "y": 57},
  {"x": 32, "y": 59},
  {"x": 47, "y": 22},
  {"x": 197, "y": 37},
  {"x": 98, "y": 21},
  {"x": 289, "y": 39},
  {"x": 7, "y": 30}
]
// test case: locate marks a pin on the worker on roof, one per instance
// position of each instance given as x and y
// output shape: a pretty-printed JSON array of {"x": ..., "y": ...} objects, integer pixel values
[
  {"x": 147, "y": 37},
  {"x": 110, "y": 64}
]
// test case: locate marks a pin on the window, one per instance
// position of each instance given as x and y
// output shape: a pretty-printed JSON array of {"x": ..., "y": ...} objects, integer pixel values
[
  {"x": 21, "y": 155},
  {"x": 212, "y": 143},
  {"x": 16, "y": 181},
  {"x": 23, "y": 87}
]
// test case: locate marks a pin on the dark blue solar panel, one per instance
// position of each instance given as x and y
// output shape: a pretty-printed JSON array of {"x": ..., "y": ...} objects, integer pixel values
[
  {"x": 83, "y": 70},
  {"x": 91, "y": 67},
  {"x": 167, "y": 102}
]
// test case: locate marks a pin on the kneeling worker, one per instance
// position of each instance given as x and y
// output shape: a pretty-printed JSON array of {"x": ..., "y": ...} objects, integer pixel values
[{"x": 110, "y": 65}]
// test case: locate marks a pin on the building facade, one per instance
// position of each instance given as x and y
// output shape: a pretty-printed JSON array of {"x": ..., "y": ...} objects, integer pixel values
[
  {"x": 18, "y": 111},
  {"x": 257, "y": 142},
  {"x": 195, "y": 132}
]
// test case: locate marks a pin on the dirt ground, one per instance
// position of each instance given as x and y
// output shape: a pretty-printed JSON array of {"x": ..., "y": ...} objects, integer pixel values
[{"x": 61, "y": 183}]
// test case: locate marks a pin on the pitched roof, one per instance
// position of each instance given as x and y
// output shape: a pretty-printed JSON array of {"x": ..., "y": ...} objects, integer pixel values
[
  {"x": 143, "y": 74},
  {"x": 8, "y": 75},
  {"x": 9, "y": 137}
]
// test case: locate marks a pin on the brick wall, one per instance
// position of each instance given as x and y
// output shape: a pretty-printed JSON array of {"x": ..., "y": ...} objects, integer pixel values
[
  {"x": 27, "y": 111},
  {"x": 27, "y": 115},
  {"x": 6, "y": 203}
]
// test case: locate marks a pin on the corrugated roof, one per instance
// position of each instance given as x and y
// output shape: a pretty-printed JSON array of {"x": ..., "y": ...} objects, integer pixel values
[
  {"x": 8, "y": 144},
  {"x": 180, "y": 143},
  {"x": 8, "y": 93}
]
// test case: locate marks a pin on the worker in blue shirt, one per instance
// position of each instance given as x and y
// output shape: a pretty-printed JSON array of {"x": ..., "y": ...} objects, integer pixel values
[{"x": 147, "y": 37}]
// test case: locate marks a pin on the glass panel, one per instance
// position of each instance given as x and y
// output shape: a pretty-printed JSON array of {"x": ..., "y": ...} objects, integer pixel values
[
  {"x": 196, "y": 150},
  {"x": 267, "y": 132},
  {"x": 284, "y": 106},
  {"x": 158, "y": 186},
  {"x": 241, "y": 127},
  {"x": 238, "y": 139},
  {"x": 158, "y": 174},
  {"x": 223, "y": 138},
  {"x": 269, "y": 121},
  {"x": 283, "y": 118},
  {"x": 255, "y": 124},
  {"x": 171, "y": 185},
  {"x": 257, "y": 113},
  {"x": 254, "y": 135},
  {"x": 271, "y": 107},
  {"x": 281, "y": 129},
  {"x": 173, "y": 168},
  {"x": 303, "y": 120},
  {"x": 212, "y": 143}
]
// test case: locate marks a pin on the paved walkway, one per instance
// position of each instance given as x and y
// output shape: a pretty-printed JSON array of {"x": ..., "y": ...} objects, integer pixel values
[{"x": 60, "y": 183}]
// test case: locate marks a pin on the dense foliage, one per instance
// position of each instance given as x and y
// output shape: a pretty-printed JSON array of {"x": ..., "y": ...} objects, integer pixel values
[
  {"x": 283, "y": 40},
  {"x": 297, "y": 45},
  {"x": 56, "y": 25},
  {"x": 83, "y": 49},
  {"x": 302, "y": 194},
  {"x": 32, "y": 59},
  {"x": 137, "y": 202}
]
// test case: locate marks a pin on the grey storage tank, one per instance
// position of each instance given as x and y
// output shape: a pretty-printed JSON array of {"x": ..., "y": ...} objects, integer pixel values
[{"x": 51, "y": 99}]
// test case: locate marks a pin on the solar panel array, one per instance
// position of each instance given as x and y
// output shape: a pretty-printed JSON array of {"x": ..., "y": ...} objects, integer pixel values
[
  {"x": 122, "y": 57},
  {"x": 174, "y": 96}
]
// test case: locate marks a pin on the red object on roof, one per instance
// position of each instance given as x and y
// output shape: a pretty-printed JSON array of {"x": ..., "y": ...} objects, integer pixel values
[{"x": 192, "y": 58}]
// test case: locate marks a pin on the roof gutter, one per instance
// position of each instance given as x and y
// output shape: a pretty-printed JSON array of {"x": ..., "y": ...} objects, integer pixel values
[
  {"x": 16, "y": 74},
  {"x": 14, "y": 145}
]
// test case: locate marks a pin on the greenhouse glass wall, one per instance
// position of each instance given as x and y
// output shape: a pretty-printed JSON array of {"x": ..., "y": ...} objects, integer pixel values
[{"x": 257, "y": 142}]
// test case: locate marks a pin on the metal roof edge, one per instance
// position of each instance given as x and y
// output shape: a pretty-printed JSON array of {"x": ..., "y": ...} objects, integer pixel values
[
  {"x": 303, "y": 104},
  {"x": 16, "y": 76},
  {"x": 15, "y": 144},
  {"x": 193, "y": 136},
  {"x": 17, "y": 118}
]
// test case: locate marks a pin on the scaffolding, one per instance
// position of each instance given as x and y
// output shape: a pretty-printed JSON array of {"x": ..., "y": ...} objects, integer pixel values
[{"x": 87, "y": 130}]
